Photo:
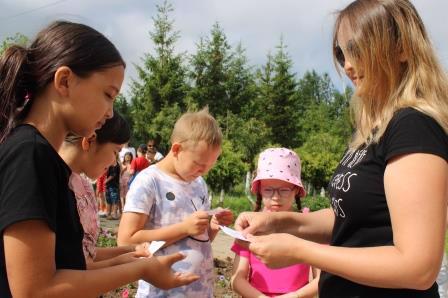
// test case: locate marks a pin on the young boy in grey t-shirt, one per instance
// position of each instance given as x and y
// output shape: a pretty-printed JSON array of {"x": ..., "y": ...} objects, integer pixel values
[{"x": 168, "y": 201}]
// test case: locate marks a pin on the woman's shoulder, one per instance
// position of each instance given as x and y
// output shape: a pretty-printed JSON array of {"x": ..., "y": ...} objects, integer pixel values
[
  {"x": 413, "y": 131},
  {"x": 410, "y": 114}
]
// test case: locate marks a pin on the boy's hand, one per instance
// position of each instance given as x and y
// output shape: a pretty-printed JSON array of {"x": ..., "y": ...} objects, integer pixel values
[
  {"x": 159, "y": 272},
  {"x": 223, "y": 218},
  {"x": 196, "y": 223}
]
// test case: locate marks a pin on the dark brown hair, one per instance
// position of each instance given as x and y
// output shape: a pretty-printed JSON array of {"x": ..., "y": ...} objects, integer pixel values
[{"x": 26, "y": 72}]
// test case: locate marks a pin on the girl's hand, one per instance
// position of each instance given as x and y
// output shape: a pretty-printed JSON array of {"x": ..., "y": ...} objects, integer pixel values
[
  {"x": 275, "y": 250},
  {"x": 159, "y": 272},
  {"x": 142, "y": 250},
  {"x": 223, "y": 218},
  {"x": 126, "y": 258}
]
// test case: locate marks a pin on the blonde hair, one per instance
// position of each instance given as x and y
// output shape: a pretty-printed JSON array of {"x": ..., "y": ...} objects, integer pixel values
[
  {"x": 392, "y": 49},
  {"x": 194, "y": 127}
]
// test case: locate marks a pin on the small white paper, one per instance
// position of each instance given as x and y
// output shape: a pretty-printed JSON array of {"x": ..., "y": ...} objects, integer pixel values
[
  {"x": 233, "y": 233},
  {"x": 155, "y": 246}
]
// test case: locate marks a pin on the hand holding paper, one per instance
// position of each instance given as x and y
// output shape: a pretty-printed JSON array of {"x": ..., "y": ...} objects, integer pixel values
[
  {"x": 155, "y": 246},
  {"x": 233, "y": 233}
]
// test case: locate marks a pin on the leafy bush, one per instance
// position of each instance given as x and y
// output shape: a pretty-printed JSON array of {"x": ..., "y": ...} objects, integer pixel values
[
  {"x": 315, "y": 203},
  {"x": 228, "y": 171},
  {"x": 320, "y": 156}
]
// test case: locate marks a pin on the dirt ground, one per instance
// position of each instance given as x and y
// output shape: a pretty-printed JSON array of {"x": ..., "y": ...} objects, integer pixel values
[{"x": 223, "y": 259}]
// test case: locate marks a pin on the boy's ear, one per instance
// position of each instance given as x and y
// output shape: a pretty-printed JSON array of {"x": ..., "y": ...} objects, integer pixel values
[
  {"x": 62, "y": 80},
  {"x": 86, "y": 143},
  {"x": 176, "y": 148}
]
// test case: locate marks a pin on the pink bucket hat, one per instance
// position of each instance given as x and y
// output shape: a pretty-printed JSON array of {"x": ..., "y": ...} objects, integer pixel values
[{"x": 278, "y": 163}]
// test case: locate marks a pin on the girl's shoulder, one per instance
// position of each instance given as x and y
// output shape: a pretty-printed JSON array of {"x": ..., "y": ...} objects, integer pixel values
[{"x": 27, "y": 146}]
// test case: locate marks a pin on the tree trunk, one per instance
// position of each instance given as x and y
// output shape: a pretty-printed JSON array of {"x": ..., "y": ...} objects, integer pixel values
[
  {"x": 221, "y": 198},
  {"x": 247, "y": 184}
]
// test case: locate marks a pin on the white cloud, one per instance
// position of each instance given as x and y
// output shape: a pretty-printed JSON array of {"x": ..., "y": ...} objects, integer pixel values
[{"x": 305, "y": 25}]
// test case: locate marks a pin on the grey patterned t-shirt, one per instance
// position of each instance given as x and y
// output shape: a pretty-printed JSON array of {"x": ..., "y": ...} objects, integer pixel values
[{"x": 167, "y": 201}]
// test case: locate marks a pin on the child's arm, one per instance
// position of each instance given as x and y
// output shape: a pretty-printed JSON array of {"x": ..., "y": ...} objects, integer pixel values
[
  {"x": 30, "y": 261},
  {"x": 112, "y": 256},
  {"x": 132, "y": 228},
  {"x": 104, "y": 253},
  {"x": 111, "y": 174},
  {"x": 118, "y": 260},
  {"x": 239, "y": 281},
  {"x": 108, "y": 178}
]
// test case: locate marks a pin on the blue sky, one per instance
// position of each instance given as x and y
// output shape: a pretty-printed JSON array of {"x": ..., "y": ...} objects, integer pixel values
[{"x": 306, "y": 26}]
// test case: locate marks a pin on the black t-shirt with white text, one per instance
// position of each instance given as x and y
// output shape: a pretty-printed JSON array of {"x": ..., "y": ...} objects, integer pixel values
[
  {"x": 358, "y": 197},
  {"x": 34, "y": 186}
]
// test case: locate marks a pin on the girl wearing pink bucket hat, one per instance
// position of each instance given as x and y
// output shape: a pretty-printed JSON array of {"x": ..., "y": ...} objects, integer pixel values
[{"x": 276, "y": 186}]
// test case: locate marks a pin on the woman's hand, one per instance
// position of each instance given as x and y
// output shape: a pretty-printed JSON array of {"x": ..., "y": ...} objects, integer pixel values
[
  {"x": 275, "y": 250},
  {"x": 255, "y": 223}
]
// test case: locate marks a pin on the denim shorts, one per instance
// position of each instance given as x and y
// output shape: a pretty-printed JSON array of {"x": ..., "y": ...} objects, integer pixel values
[{"x": 112, "y": 195}]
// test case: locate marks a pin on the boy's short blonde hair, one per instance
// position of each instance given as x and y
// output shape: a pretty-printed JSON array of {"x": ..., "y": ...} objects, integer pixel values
[{"x": 194, "y": 127}]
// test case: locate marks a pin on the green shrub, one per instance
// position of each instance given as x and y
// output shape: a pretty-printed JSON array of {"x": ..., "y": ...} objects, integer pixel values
[{"x": 315, "y": 203}]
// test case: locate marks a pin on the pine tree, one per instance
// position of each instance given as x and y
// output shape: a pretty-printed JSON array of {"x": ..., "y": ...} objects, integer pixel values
[
  {"x": 263, "y": 101},
  {"x": 241, "y": 88},
  {"x": 161, "y": 78},
  {"x": 124, "y": 108},
  {"x": 281, "y": 114},
  {"x": 209, "y": 72}
]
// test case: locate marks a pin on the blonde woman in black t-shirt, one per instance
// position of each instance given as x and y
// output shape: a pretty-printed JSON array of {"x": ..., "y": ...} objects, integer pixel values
[
  {"x": 389, "y": 192},
  {"x": 65, "y": 81}
]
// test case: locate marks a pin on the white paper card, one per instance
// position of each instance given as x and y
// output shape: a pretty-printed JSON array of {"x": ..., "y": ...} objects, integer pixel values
[
  {"x": 233, "y": 233},
  {"x": 155, "y": 246}
]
